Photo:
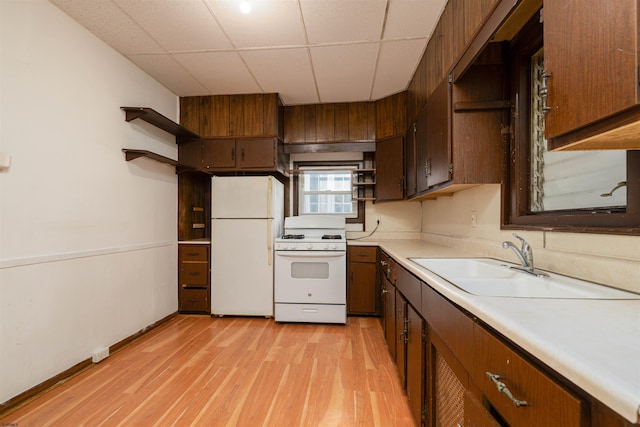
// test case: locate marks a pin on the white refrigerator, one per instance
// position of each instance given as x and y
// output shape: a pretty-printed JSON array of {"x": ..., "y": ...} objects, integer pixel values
[{"x": 247, "y": 214}]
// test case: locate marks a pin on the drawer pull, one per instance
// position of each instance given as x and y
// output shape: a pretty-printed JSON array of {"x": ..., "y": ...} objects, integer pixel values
[
  {"x": 194, "y": 273},
  {"x": 502, "y": 388}
]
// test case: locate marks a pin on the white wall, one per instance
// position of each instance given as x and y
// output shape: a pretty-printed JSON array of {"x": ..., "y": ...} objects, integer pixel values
[
  {"x": 87, "y": 241},
  {"x": 608, "y": 259}
]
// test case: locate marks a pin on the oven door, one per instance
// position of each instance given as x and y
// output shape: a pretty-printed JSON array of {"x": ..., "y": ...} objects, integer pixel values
[{"x": 315, "y": 277}]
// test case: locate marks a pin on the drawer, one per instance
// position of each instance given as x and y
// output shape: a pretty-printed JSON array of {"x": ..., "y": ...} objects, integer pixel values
[
  {"x": 388, "y": 267},
  {"x": 194, "y": 299},
  {"x": 191, "y": 252},
  {"x": 194, "y": 273},
  {"x": 548, "y": 403},
  {"x": 362, "y": 253},
  {"x": 312, "y": 313},
  {"x": 410, "y": 286}
]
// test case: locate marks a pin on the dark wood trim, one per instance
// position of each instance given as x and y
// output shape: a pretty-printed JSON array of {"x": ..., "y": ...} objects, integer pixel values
[
  {"x": 330, "y": 147},
  {"x": 24, "y": 397}
]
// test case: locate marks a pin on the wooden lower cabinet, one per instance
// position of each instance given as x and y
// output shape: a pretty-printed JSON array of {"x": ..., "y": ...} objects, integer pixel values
[
  {"x": 416, "y": 336},
  {"x": 456, "y": 370},
  {"x": 362, "y": 285},
  {"x": 194, "y": 290}
]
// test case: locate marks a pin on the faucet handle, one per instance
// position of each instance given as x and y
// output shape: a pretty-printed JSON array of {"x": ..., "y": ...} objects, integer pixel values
[{"x": 525, "y": 245}]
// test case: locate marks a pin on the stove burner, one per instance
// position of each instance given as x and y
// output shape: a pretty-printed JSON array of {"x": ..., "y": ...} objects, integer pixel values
[
  {"x": 293, "y": 236},
  {"x": 331, "y": 237}
]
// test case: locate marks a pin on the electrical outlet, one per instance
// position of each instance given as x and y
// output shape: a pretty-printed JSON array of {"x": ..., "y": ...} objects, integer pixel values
[
  {"x": 474, "y": 218},
  {"x": 99, "y": 355}
]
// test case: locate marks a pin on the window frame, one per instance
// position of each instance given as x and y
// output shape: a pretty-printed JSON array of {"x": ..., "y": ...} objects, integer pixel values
[
  {"x": 516, "y": 197},
  {"x": 360, "y": 205}
]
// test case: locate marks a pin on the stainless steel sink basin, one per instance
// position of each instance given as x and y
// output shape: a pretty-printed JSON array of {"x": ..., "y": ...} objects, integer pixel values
[{"x": 494, "y": 278}]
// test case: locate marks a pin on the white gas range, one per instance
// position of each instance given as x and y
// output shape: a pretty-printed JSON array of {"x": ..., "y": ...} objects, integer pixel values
[{"x": 310, "y": 270}]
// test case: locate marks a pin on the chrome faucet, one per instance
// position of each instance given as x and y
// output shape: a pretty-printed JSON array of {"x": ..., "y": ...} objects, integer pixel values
[{"x": 525, "y": 255}]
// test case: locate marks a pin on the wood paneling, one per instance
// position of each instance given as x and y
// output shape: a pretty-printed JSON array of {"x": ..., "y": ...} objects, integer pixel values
[
  {"x": 248, "y": 115},
  {"x": 198, "y": 370},
  {"x": 391, "y": 115},
  {"x": 329, "y": 123},
  {"x": 190, "y": 113}
]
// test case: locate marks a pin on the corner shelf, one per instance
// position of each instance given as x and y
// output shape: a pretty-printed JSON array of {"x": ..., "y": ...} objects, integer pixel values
[
  {"x": 362, "y": 186},
  {"x": 151, "y": 116}
]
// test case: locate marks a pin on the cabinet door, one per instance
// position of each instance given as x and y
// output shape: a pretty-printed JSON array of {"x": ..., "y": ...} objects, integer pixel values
[
  {"x": 389, "y": 169},
  {"x": 389, "y": 317},
  {"x": 590, "y": 53},
  {"x": 415, "y": 363},
  {"x": 219, "y": 154},
  {"x": 421, "y": 136},
  {"x": 256, "y": 153},
  {"x": 410, "y": 161},
  {"x": 401, "y": 338},
  {"x": 361, "y": 289},
  {"x": 439, "y": 135}
]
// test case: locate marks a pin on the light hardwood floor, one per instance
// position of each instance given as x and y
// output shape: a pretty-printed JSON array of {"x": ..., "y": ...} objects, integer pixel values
[{"x": 230, "y": 371}]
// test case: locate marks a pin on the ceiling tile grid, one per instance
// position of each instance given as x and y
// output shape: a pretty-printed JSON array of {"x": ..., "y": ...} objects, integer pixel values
[{"x": 308, "y": 51}]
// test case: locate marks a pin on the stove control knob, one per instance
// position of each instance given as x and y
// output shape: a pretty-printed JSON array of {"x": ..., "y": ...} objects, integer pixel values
[
  {"x": 325, "y": 247},
  {"x": 334, "y": 246},
  {"x": 309, "y": 246}
]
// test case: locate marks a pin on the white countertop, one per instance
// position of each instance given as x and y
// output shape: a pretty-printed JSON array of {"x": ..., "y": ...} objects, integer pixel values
[{"x": 593, "y": 343}]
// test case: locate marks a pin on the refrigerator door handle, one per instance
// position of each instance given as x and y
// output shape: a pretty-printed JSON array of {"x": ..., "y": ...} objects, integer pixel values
[
  {"x": 269, "y": 242},
  {"x": 269, "y": 215}
]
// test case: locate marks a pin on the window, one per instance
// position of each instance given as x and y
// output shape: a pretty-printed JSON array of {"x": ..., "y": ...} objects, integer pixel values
[
  {"x": 582, "y": 191},
  {"x": 327, "y": 190}
]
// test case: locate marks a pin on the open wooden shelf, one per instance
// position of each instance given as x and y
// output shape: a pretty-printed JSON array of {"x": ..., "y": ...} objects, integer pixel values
[
  {"x": 151, "y": 116},
  {"x": 130, "y": 154}
]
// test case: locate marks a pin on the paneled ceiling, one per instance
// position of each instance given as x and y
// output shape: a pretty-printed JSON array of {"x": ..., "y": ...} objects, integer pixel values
[{"x": 308, "y": 51}]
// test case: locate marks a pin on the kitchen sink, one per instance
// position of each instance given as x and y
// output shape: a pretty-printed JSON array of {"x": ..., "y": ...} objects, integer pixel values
[{"x": 495, "y": 278}]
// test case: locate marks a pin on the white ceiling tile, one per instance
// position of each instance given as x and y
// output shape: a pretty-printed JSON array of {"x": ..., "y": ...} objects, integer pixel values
[
  {"x": 389, "y": 78},
  {"x": 169, "y": 73},
  {"x": 286, "y": 71},
  {"x": 344, "y": 73},
  {"x": 270, "y": 23},
  {"x": 110, "y": 24},
  {"x": 221, "y": 73},
  {"x": 184, "y": 25},
  {"x": 338, "y": 21},
  {"x": 412, "y": 18}
]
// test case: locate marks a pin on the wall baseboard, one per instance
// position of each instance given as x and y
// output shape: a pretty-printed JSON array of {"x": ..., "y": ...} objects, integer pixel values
[{"x": 27, "y": 396}]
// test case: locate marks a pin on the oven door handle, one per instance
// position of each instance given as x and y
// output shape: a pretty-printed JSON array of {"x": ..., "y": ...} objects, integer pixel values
[{"x": 305, "y": 254}]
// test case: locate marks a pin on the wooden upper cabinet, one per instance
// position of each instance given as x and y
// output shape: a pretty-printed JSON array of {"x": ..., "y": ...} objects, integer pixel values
[
  {"x": 248, "y": 115},
  {"x": 390, "y": 180},
  {"x": 391, "y": 115},
  {"x": 326, "y": 123},
  {"x": 461, "y": 134},
  {"x": 591, "y": 57},
  {"x": 242, "y": 154}
]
